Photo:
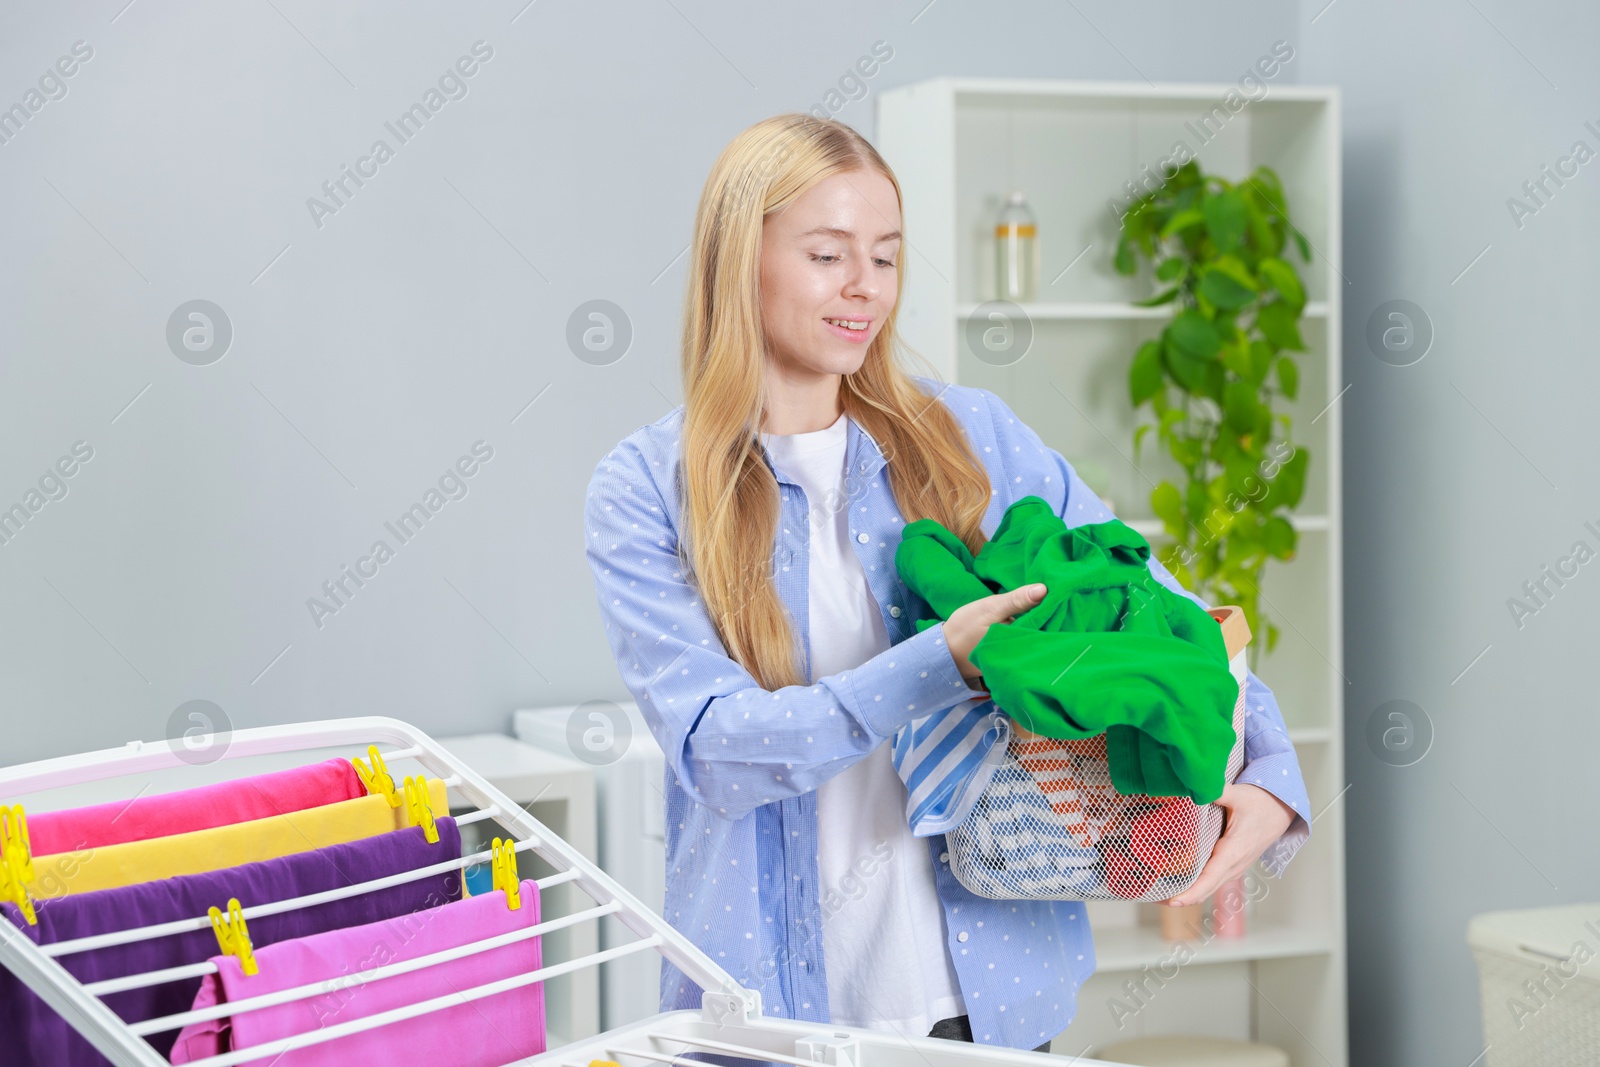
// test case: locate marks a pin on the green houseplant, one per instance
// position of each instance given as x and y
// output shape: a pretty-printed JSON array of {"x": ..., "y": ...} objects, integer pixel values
[{"x": 1212, "y": 376}]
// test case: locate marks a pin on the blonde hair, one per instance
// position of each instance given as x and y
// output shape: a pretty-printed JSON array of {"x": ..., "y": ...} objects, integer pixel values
[{"x": 730, "y": 509}]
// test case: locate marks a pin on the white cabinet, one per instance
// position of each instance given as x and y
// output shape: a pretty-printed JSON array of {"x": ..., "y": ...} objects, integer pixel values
[
  {"x": 958, "y": 146},
  {"x": 627, "y": 772}
]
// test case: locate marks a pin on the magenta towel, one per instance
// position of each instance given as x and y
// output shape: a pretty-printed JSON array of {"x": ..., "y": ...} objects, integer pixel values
[
  {"x": 483, "y": 1033},
  {"x": 38, "y": 1035},
  {"x": 203, "y": 808}
]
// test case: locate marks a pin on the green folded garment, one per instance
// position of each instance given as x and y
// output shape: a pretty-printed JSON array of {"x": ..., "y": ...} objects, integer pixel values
[{"x": 1108, "y": 650}]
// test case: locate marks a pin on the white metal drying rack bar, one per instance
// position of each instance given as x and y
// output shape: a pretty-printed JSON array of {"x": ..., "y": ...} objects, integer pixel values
[
  {"x": 729, "y": 1022},
  {"x": 276, "y": 907}
]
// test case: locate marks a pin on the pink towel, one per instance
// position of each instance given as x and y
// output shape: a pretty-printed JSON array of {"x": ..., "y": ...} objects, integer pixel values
[
  {"x": 202, "y": 808},
  {"x": 483, "y": 1033}
]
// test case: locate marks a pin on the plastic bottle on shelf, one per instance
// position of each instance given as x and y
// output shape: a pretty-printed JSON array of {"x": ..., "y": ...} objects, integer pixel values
[{"x": 1016, "y": 251}]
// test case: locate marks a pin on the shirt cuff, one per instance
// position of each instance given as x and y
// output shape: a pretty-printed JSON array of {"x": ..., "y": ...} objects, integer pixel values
[
  {"x": 914, "y": 678},
  {"x": 1275, "y": 773}
]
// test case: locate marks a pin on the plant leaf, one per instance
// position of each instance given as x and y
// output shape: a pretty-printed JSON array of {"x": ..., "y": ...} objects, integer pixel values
[
  {"x": 1226, "y": 218},
  {"x": 1279, "y": 537},
  {"x": 1194, "y": 334},
  {"x": 1290, "y": 482},
  {"x": 1187, "y": 370},
  {"x": 1261, "y": 353},
  {"x": 1124, "y": 263},
  {"x": 1305, "y": 246},
  {"x": 1171, "y": 267},
  {"x": 1289, "y": 377},
  {"x": 1283, "y": 280},
  {"x": 1242, "y": 406},
  {"x": 1224, "y": 291},
  {"x": 1277, "y": 322},
  {"x": 1168, "y": 506},
  {"x": 1264, "y": 180},
  {"x": 1197, "y": 500},
  {"x": 1236, "y": 357},
  {"x": 1238, "y": 270},
  {"x": 1144, "y": 375},
  {"x": 1182, "y": 221},
  {"x": 1165, "y": 297}
]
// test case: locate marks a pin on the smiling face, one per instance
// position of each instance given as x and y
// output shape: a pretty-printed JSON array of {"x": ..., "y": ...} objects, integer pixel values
[{"x": 829, "y": 275}]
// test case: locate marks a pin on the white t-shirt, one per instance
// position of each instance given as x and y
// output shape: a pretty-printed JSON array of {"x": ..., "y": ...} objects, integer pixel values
[{"x": 883, "y": 932}]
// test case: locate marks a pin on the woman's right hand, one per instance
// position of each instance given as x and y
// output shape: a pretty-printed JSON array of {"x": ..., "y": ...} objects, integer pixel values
[{"x": 967, "y": 624}]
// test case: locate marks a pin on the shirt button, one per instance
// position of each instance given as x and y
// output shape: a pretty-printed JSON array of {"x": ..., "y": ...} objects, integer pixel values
[
  {"x": 863, "y": 537},
  {"x": 962, "y": 936},
  {"x": 944, "y": 857},
  {"x": 894, "y": 610}
]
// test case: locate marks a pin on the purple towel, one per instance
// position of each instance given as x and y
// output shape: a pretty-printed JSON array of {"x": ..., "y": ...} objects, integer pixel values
[{"x": 32, "y": 1029}]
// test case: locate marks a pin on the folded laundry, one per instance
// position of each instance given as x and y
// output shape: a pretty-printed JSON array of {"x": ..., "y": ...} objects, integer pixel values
[
  {"x": 37, "y": 1034},
  {"x": 946, "y": 760},
  {"x": 202, "y": 808},
  {"x": 1108, "y": 650},
  {"x": 1158, "y": 841},
  {"x": 498, "y": 1029},
  {"x": 1020, "y": 848},
  {"x": 1065, "y": 772},
  {"x": 112, "y": 866}
]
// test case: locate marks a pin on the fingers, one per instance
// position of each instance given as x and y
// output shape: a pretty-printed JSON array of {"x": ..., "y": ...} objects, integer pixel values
[
  {"x": 1221, "y": 867},
  {"x": 1029, "y": 595},
  {"x": 1008, "y": 605},
  {"x": 1231, "y": 856}
]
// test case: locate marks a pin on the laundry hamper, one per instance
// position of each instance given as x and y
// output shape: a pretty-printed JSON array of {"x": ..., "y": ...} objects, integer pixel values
[
  {"x": 1050, "y": 825},
  {"x": 729, "y": 1023},
  {"x": 1540, "y": 982}
]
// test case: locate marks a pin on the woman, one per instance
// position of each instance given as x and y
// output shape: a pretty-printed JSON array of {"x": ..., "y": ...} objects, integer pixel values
[{"x": 743, "y": 555}]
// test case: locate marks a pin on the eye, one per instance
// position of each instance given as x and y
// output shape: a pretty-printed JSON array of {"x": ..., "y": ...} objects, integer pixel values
[
  {"x": 884, "y": 262},
  {"x": 827, "y": 257}
]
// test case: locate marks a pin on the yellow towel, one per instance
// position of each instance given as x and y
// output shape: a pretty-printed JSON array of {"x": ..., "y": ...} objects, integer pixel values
[{"x": 114, "y": 866}]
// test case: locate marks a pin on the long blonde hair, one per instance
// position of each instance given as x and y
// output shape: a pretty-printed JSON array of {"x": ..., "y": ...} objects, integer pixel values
[{"x": 730, "y": 498}]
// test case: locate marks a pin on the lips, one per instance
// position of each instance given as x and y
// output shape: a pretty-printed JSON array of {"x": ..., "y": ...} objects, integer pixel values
[{"x": 853, "y": 330}]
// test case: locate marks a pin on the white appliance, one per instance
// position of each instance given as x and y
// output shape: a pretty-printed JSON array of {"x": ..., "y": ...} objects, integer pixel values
[{"x": 631, "y": 809}]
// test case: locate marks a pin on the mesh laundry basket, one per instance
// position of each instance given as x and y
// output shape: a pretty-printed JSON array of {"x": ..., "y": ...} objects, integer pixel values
[
  {"x": 1051, "y": 826},
  {"x": 1540, "y": 983}
]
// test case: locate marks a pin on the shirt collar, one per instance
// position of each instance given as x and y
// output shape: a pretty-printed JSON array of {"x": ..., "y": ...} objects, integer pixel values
[{"x": 862, "y": 455}]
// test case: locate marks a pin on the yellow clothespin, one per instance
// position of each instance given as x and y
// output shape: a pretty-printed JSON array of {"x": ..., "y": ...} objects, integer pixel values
[
  {"x": 16, "y": 861},
  {"x": 503, "y": 862},
  {"x": 233, "y": 937},
  {"x": 14, "y": 889},
  {"x": 378, "y": 779},
  {"x": 418, "y": 811}
]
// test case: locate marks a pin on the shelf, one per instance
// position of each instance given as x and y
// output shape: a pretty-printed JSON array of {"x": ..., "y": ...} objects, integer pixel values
[
  {"x": 1316, "y": 309},
  {"x": 1075, "y": 148},
  {"x": 1107, "y": 92},
  {"x": 1129, "y": 948},
  {"x": 1149, "y": 528}
]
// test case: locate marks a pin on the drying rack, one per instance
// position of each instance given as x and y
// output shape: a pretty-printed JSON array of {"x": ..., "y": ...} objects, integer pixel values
[{"x": 728, "y": 1024}]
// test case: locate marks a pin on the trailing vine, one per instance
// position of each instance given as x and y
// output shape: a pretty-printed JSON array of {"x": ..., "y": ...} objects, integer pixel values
[{"x": 1212, "y": 377}]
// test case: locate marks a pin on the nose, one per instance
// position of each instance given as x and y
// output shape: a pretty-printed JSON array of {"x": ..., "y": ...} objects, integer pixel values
[{"x": 861, "y": 280}]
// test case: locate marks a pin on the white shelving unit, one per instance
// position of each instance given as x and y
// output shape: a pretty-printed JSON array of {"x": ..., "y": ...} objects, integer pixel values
[{"x": 958, "y": 146}]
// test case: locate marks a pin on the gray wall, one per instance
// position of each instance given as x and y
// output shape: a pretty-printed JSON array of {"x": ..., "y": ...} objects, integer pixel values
[
  {"x": 421, "y": 317},
  {"x": 430, "y": 311},
  {"x": 1465, "y": 473}
]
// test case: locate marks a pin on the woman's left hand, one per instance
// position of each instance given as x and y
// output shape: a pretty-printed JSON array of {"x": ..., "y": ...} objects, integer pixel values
[{"x": 1255, "y": 819}]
